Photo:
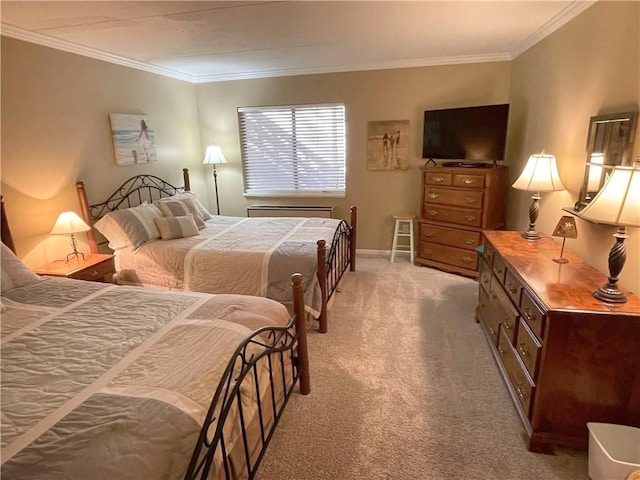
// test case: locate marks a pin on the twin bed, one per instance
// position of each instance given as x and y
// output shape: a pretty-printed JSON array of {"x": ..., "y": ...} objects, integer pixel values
[
  {"x": 102, "y": 381},
  {"x": 252, "y": 255}
]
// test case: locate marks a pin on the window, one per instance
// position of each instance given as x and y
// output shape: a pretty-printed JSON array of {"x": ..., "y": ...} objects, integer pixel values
[{"x": 293, "y": 150}]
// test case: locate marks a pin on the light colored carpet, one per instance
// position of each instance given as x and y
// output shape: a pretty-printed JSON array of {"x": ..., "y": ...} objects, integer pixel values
[{"x": 404, "y": 387}]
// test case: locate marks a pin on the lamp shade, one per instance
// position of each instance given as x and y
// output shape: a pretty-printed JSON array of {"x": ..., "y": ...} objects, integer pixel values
[
  {"x": 214, "y": 155},
  {"x": 69, "y": 222},
  {"x": 618, "y": 202},
  {"x": 540, "y": 174}
]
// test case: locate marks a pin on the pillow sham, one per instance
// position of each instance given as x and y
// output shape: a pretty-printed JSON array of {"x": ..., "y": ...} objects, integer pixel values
[
  {"x": 130, "y": 227},
  {"x": 14, "y": 273},
  {"x": 176, "y": 227},
  {"x": 189, "y": 196},
  {"x": 180, "y": 208}
]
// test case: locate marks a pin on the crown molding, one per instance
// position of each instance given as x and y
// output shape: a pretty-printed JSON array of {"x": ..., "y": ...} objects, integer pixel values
[{"x": 565, "y": 16}]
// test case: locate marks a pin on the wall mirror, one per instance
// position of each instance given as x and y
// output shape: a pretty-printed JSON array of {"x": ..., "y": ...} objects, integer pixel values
[{"x": 609, "y": 144}]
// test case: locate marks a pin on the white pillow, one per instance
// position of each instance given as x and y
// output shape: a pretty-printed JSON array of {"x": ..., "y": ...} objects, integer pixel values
[
  {"x": 204, "y": 213},
  {"x": 176, "y": 227},
  {"x": 130, "y": 227},
  {"x": 14, "y": 273}
]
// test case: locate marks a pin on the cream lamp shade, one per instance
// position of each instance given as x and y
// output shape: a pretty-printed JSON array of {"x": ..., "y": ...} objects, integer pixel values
[
  {"x": 540, "y": 174},
  {"x": 213, "y": 155},
  {"x": 617, "y": 203},
  {"x": 68, "y": 223}
]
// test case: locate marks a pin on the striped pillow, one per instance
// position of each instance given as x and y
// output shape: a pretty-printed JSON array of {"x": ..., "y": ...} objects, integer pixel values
[
  {"x": 130, "y": 227},
  {"x": 179, "y": 208},
  {"x": 176, "y": 227}
]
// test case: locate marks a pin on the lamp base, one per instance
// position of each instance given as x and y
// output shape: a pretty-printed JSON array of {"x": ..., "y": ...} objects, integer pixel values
[
  {"x": 531, "y": 235},
  {"x": 610, "y": 294}
]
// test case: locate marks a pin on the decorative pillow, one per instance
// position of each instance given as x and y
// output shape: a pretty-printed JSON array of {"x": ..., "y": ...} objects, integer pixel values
[
  {"x": 14, "y": 273},
  {"x": 180, "y": 208},
  {"x": 203, "y": 212},
  {"x": 130, "y": 227},
  {"x": 176, "y": 227}
]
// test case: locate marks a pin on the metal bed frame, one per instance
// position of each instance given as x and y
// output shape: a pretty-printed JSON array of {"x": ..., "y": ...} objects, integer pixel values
[
  {"x": 332, "y": 260},
  {"x": 283, "y": 350}
]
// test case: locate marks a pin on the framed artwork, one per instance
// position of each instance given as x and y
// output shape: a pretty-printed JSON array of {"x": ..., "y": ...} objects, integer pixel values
[
  {"x": 388, "y": 145},
  {"x": 133, "y": 139}
]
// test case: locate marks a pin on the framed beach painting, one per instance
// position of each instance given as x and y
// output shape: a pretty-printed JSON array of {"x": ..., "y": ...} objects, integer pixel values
[
  {"x": 388, "y": 145},
  {"x": 133, "y": 139}
]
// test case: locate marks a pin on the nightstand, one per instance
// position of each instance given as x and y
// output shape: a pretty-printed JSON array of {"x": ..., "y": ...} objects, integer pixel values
[{"x": 96, "y": 267}]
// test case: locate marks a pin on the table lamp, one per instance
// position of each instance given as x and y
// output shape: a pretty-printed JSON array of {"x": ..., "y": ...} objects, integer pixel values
[
  {"x": 213, "y": 156},
  {"x": 618, "y": 204},
  {"x": 69, "y": 223},
  {"x": 540, "y": 174}
]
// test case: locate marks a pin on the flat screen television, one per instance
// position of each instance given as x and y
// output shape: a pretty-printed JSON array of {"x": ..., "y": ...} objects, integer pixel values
[{"x": 467, "y": 135}]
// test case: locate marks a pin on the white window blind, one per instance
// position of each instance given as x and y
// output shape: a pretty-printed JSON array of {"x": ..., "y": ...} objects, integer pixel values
[{"x": 293, "y": 150}]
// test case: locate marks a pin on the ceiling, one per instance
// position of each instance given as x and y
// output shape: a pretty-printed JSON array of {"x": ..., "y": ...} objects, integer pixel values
[{"x": 203, "y": 41}]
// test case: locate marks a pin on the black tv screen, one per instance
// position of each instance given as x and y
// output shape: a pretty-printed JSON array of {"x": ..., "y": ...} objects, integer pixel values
[{"x": 467, "y": 134}]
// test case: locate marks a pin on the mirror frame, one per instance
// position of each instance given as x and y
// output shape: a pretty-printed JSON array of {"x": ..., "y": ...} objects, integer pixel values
[{"x": 609, "y": 144}]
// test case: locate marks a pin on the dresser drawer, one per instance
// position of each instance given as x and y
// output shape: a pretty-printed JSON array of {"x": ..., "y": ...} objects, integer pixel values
[
  {"x": 469, "y": 181},
  {"x": 484, "y": 277},
  {"x": 532, "y": 314},
  {"x": 437, "y": 178},
  {"x": 459, "y": 216},
  {"x": 450, "y": 196},
  {"x": 520, "y": 380},
  {"x": 449, "y": 236},
  {"x": 488, "y": 254},
  {"x": 513, "y": 287},
  {"x": 486, "y": 316},
  {"x": 449, "y": 255},
  {"x": 505, "y": 313},
  {"x": 528, "y": 349},
  {"x": 94, "y": 273},
  {"x": 499, "y": 268}
]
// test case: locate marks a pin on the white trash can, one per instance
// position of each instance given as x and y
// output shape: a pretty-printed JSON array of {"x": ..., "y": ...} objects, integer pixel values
[{"x": 614, "y": 451}]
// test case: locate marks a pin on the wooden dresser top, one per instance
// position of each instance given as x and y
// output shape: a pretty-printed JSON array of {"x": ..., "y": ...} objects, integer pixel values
[{"x": 566, "y": 286}]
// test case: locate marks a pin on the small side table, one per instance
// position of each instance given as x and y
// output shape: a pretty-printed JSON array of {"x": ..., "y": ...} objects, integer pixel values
[{"x": 96, "y": 267}]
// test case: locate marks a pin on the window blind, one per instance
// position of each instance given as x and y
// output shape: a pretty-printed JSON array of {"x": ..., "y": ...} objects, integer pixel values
[{"x": 293, "y": 150}]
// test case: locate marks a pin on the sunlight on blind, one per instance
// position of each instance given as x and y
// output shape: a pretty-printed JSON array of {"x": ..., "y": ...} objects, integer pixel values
[{"x": 293, "y": 150}]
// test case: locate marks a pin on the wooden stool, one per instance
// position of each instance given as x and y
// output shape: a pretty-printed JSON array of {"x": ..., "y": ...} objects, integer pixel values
[{"x": 403, "y": 228}]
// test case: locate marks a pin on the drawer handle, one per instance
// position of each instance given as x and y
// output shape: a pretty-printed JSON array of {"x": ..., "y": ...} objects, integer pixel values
[
  {"x": 508, "y": 325},
  {"x": 468, "y": 181},
  {"x": 433, "y": 213},
  {"x": 94, "y": 273},
  {"x": 501, "y": 350},
  {"x": 492, "y": 331},
  {"x": 500, "y": 269},
  {"x": 427, "y": 234},
  {"x": 512, "y": 288},
  {"x": 529, "y": 315},
  {"x": 469, "y": 241},
  {"x": 467, "y": 259},
  {"x": 470, "y": 218},
  {"x": 521, "y": 393},
  {"x": 433, "y": 195},
  {"x": 471, "y": 200},
  {"x": 522, "y": 348},
  {"x": 493, "y": 295},
  {"x": 485, "y": 280},
  {"x": 438, "y": 179}
]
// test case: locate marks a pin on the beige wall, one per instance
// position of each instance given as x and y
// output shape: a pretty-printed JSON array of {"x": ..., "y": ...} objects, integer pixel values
[
  {"x": 55, "y": 131},
  {"x": 589, "y": 67},
  {"x": 401, "y": 94}
]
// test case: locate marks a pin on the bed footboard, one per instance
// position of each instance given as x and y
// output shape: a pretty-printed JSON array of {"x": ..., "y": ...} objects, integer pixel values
[
  {"x": 233, "y": 439},
  {"x": 333, "y": 263}
]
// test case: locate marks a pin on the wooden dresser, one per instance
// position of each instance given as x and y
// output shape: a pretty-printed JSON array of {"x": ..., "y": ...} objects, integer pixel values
[
  {"x": 457, "y": 204},
  {"x": 566, "y": 357}
]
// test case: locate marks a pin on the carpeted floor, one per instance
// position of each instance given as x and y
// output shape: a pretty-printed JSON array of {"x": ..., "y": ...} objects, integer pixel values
[{"x": 404, "y": 387}]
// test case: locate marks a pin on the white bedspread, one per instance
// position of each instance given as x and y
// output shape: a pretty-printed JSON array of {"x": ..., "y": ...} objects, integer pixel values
[
  {"x": 107, "y": 382},
  {"x": 252, "y": 256}
]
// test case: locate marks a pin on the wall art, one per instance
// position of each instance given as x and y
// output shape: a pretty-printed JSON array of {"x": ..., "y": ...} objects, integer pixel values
[
  {"x": 388, "y": 145},
  {"x": 133, "y": 139}
]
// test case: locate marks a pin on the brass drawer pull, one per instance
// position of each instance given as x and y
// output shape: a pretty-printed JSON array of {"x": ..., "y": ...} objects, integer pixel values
[
  {"x": 470, "y": 218},
  {"x": 433, "y": 213},
  {"x": 94, "y": 273},
  {"x": 529, "y": 315},
  {"x": 433, "y": 195},
  {"x": 469, "y": 241},
  {"x": 512, "y": 288},
  {"x": 467, "y": 259},
  {"x": 522, "y": 348},
  {"x": 438, "y": 179},
  {"x": 468, "y": 181},
  {"x": 471, "y": 200},
  {"x": 428, "y": 235},
  {"x": 508, "y": 325},
  {"x": 521, "y": 393}
]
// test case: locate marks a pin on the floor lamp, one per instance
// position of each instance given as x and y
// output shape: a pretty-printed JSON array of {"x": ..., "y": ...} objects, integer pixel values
[
  {"x": 618, "y": 204},
  {"x": 213, "y": 156},
  {"x": 539, "y": 175}
]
